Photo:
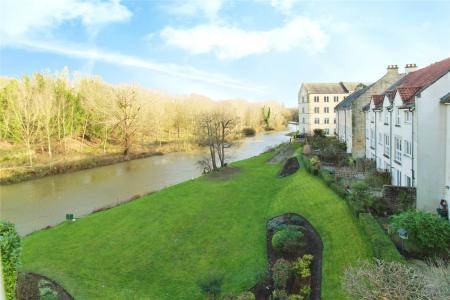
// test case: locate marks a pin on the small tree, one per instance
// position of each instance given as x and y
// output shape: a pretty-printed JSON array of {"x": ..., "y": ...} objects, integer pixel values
[
  {"x": 10, "y": 257},
  {"x": 126, "y": 116}
]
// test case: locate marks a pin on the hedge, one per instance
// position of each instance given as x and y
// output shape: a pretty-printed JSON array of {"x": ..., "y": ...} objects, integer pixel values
[
  {"x": 10, "y": 255},
  {"x": 383, "y": 247}
]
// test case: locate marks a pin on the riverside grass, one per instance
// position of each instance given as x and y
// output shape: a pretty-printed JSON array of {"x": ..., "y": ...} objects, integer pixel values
[{"x": 161, "y": 245}]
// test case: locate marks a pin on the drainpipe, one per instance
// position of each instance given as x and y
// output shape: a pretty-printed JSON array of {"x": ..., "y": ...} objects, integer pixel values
[
  {"x": 390, "y": 109},
  {"x": 376, "y": 142},
  {"x": 413, "y": 175},
  {"x": 345, "y": 126}
]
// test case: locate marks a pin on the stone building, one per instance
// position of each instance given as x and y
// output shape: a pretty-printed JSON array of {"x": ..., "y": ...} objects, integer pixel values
[
  {"x": 350, "y": 118},
  {"x": 316, "y": 103}
]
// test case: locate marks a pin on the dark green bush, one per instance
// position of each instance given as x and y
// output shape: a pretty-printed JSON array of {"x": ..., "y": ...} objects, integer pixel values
[
  {"x": 211, "y": 285},
  {"x": 428, "y": 232},
  {"x": 326, "y": 176},
  {"x": 280, "y": 273},
  {"x": 383, "y": 248},
  {"x": 248, "y": 131},
  {"x": 338, "y": 189},
  {"x": 274, "y": 224},
  {"x": 288, "y": 240},
  {"x": 10, "y": 255}
]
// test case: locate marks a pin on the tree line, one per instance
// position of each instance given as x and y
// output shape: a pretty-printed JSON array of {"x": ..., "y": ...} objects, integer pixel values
[{"x": 56, "y": 115}]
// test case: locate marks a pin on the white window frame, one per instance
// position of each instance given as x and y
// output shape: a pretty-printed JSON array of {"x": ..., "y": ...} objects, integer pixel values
[
  {"x": 387, "y": 145},
  {"x": 408, "y": 181},
  {"x": 326, "y": 99},
  {"x": 398, "y": 177},
  {"x": 316, "y": 110},
  {"x": 407, "y": 115},
  {"x": 386, "y": 117},
  {"x": 408, "y": 148},
  {"x": 397, "y": 116},
  {"x": 398, "y": 148},
  {"x": 336, "y": 98}
]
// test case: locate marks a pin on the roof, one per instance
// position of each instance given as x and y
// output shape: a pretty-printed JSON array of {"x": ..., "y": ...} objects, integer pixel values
[
  {"x": 390, "y": 92},
  {"x": 446, "y": 98},
  {"x": 347, "y": 102},
  {"x": 330, "y": 88},
  {"x": 422, "y": 78}
]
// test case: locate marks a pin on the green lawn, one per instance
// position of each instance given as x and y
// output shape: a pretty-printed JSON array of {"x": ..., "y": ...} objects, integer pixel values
[{"x": 158, "y": 247}]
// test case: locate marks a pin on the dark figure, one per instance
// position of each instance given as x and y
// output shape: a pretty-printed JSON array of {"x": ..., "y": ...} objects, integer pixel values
[{"x": 443, "y": 209}]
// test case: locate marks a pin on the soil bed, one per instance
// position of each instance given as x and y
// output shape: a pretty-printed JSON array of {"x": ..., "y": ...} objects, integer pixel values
[
  {"x": 314, "y": 246},
  {"x": 29, "y": 285},
  {"x": 290, "y": 167}
]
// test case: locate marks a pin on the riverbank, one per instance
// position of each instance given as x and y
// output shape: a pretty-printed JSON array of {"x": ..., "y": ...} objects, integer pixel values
[
  {"x": 159, "y": 246},
  {"x": 12, "y": 172},
  {"x": 20, "y": 174}
]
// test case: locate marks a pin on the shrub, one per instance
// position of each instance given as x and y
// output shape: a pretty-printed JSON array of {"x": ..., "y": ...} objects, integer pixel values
[
  {"x": 382, "y": 246},
  {"x": 296, "y": 297},
  {"x": 388, "y": 280},
  {"x": 338, "y": 190},
  {"x": 248, "y": 131},
  {"x": 10, "y": 256},
  {"x": 360, "y": 199},
  {"x": 274, "y": 224},
  {"x": 279, "y": 295},
  {"x": 314, "y": 165},
  {"x": 302, "y": 266},
  {"x": 211, "y": 285},
  {"x": 281, "y": 272},
  {"x": 302, "y": 269},
  {"x": 327, "y": 177},
  {"x": 319, "y": 133},
  {"x": 288, "y": 240},
  {"x": 430, "y": 233}
]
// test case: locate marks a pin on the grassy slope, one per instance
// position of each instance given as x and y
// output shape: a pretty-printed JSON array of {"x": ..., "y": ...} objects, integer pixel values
[{"x": 158, "y": 246}]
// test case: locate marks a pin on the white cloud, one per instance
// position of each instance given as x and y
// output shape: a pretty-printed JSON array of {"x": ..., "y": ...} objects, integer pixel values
[
  {"x": 229, "y": 42},
  {"x": 25, "y": 17},
  {"x": 189, "y": 8},
  {"x": 284, "y": 6},
  {"x": 179, "y": 71}
]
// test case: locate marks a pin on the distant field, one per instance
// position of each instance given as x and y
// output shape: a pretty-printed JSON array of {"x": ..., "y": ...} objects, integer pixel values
[{"x": 159, "y": 246}]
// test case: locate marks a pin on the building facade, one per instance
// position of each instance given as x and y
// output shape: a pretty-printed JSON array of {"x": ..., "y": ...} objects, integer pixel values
[
  {"x": 407, "y": 133},
  {"x": 350, "y": 118},
  {"x": 316, "y": 102}
]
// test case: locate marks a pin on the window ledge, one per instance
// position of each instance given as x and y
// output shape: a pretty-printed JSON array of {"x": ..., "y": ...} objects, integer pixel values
[
  {"x": 397, "y": 125},
  {"x": 385, "y": 155},
  {"x": 386, "y": 124},
  {"x": 398, "y": 162}
]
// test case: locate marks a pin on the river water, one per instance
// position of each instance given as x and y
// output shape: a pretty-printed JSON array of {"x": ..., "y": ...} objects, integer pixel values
[{"x": 35, "y": 204}]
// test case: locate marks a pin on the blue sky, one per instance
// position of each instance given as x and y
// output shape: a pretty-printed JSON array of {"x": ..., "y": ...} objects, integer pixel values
[{"x": 251, "y": 49}]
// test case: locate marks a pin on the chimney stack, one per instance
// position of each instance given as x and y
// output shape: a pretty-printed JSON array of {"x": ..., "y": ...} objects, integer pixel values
[
  {"x": 410, "y": 68},
  {"x": 392, "y": 69}
]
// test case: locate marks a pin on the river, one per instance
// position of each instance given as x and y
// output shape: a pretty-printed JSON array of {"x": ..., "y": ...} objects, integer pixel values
[{"x": 35, "y": 204}]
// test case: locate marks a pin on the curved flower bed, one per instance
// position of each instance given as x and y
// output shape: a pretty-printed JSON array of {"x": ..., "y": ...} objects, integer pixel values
[{"x": 312, "y": 245}]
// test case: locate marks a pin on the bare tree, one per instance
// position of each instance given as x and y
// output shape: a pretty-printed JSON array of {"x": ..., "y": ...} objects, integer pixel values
[
  {"x": 26, "y": 115},
  {"x": 126, "y": 116},
  {"x": 223, "y": 126}
]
